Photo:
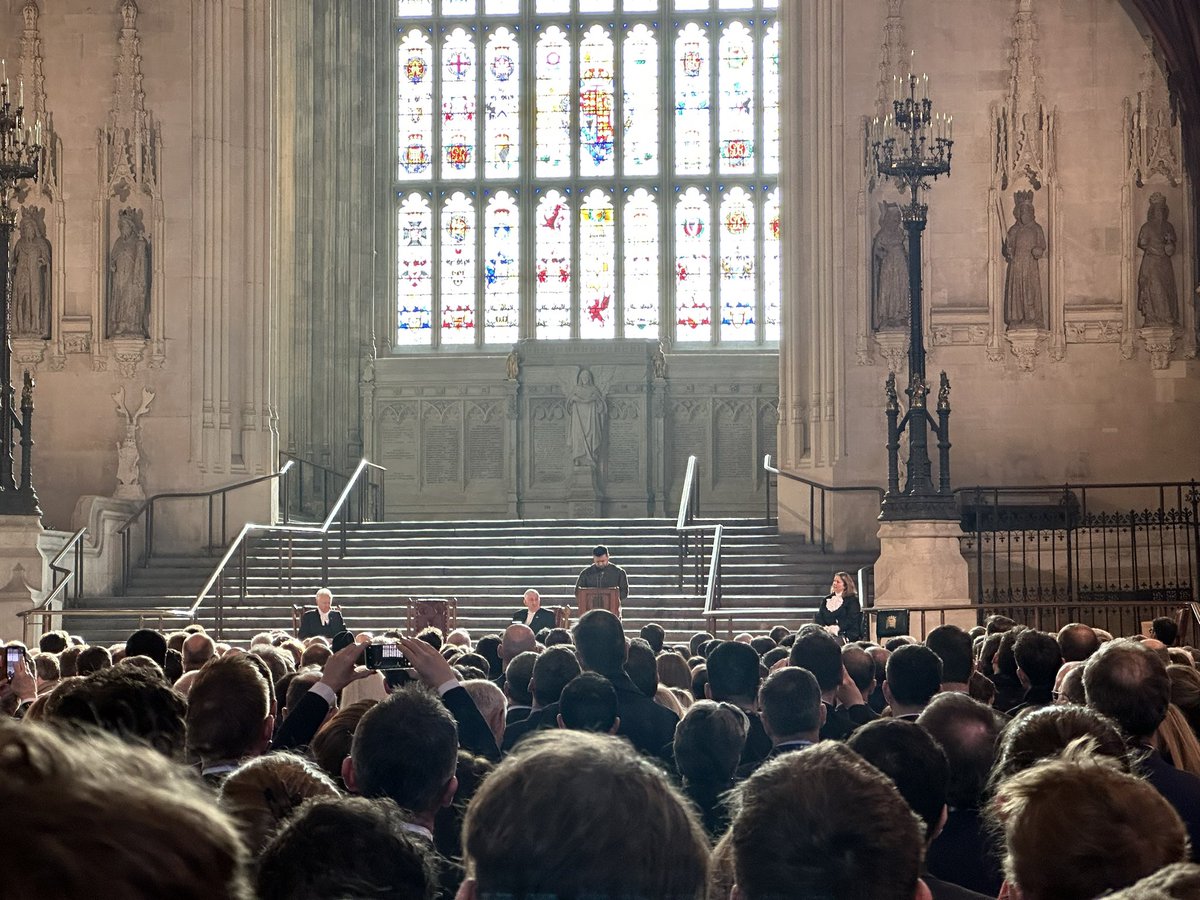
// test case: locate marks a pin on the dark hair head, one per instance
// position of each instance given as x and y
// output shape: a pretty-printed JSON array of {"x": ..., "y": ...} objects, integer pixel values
[
  {"x": 914, "y": 675},
  {"x": 551, "y": 672},
  {"x": 818, "y": 652},
  {"x": 227, "y": 706},
  {"x": 953, "y": 647},
  {"x": 907, "y": 754},
  {"x": 1006, "y": 660},
  {"x": 709, "y": 740},
  {"x": 589, "y": 703},
  {"x": 967, "y": 731},
  {"x": 733, "y": 672},
  {"x": 1038, "y": 656},
  {"x": 431, "y": 635},
  {"x": 405, "y": 748},
  {"x": 488, "y": 647},
  {"x": 699, "y": 681},
  {"x": 331, "y": 744},
  {"x": 146, "y": 642},
  {"x": 347, "y": 847},
  {"x": 778, "y": 633},
  {"x": 132, "y": 703},
  {"x": 654, "y": 635},
  {"x": 998, "y": 624},
  {"x": 600, "y": 642},
  {"x": 558, "y": 636},
  {"x": 763, "y": 645},
  {"x": 474, "y": 661},
  {"x": 1044, "y": 733},
  {"x": 516, "y": 678},
  {"x": 698, "y": 640},
  {"x": 92, "y": 659},
  {"x": 1128, "y": 683},
  {"x": 860, "y": 665},
  {"x": 1077, "y": 642},
  {"x": 599, "y": 550},
  {"x": 642, "y": 667},
  {"x": 773, "y": 656},
  {"x": 791, "y": 702},
  {"x": 1164, "y": 629},
  {"x": 987, "y": 654},
  {"x": 54, "y": 642}
]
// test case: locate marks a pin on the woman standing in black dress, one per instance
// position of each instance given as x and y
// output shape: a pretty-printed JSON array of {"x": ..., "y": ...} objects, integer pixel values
[{"x": 841, "y": 613}]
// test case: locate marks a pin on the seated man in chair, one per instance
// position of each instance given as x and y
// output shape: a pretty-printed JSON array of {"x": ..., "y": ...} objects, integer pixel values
[
  {"x": 324, "y": 621},
  {"x": 533, "y": 615}
]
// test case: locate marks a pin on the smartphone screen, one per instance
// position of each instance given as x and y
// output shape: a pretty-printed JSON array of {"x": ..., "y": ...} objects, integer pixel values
[
  {"x": 13, "y": 657},
  {"x": 385, "y": 656}
]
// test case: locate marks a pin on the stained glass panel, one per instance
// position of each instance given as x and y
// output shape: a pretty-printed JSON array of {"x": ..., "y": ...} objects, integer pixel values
[
  {"x": 736, "y": 85},
  {"x": 458, "y": 270},
  {"x": 736, "y": 277},
  {"x": 552, "y": 267},
  {"x": 693, "y": 96},
  {"x": 501, "y": 258},
  {"x": 553, "y": 103},
  {"x": 641, "y": 265},
  {"x": 414, "y": 106},
  {"x": 597, "y": 267},
  {"x": 414, "y": 7},
  {"x": 772, "y": 267},
  {"x": 414, "y": 272},
  {"x": 502, "y": 110},
  {"x": 693, "y": 287},
  {"x": 459, "y": 73},
  {"x": 770, "y": 69},
  {"x": 640, "y": 74},
  {"x": 597, "y": 105}
]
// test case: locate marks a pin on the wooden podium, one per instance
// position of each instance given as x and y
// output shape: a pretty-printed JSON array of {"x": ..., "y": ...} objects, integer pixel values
[{"x": 587, "y": 599}]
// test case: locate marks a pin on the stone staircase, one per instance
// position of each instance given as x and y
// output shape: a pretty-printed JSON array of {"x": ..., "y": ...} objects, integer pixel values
[{"x": 486, "y": 566}]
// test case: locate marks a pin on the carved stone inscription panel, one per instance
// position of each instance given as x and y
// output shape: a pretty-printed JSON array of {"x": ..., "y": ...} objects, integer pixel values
[
  {"x": 485, "y": 443},
  {"x": 734, "y": 426},
  {"x": 441, "y": 443},
  {"x": 549, "y": 442},
  {"x": 398, "y": 442}
]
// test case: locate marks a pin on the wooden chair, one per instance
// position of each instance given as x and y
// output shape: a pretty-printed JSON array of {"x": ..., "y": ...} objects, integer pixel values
[
  {"x": 298, "y": 612},
  {"x": 562, "y": 616},
  {"x": 422, "y": 613}
]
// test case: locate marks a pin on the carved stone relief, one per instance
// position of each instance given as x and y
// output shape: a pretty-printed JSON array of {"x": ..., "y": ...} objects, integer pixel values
[{"x": 129, "y": 474}]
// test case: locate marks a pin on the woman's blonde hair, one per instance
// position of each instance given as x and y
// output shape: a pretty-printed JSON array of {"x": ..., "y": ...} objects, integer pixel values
[
  {"x": 673, "y": 670},
  {"x": 847, "y": 582},
  {"x": 265, "y": 792},
  {"x": 1178, "y": 742}
]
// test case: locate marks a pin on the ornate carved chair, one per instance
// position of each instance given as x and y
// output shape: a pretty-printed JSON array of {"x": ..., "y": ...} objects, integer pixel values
[{"x": 441, "y": 614}]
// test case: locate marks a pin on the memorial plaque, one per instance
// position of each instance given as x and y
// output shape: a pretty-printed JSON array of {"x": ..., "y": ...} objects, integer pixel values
[
  {"x": 485, "y": 451},
  {"x": 768, "y": 433},
  {"x": 624, "y": 453},
  {"x": 441, "y": 452},
  {"x": 398, "y": 443},
  {"x": 689, "y": 436},
  {"x": 735, "y": 452},
  {"x": 550, "y": 452}
]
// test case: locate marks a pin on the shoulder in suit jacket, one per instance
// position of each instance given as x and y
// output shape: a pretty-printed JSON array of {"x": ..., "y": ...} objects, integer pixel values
[
  {"x": 310, "y": 624},
  {"x": 543, "y": 618}
]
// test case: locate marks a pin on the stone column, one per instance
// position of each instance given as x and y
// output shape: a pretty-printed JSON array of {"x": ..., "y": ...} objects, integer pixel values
[{"x": 920, "y": 564}]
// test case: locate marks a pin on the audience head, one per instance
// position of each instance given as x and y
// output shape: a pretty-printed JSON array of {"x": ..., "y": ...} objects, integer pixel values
[
  {"x": 347, "y": 847},
  {"x": 1068, "y": 683},
  {"x": 146, "y": 642},
  {"x": 405, "y": 748},
  {"x": 517, "y": 639},
  {"x": 600, "y": 642},
  {"x": 1128, "y": 683},
  {"x": 860, "y": 667},
  {"x": 906, "y": 753},
  {"x": 1164, "y": 629},
  {"x": 459, "y": 637},
  {"x": 490, "y": 702},
  {"x": 641, "y": 667},
  {"x": 953, "y": 647},
  {"x": 197, "y": 649},
  {"x": 699, "y": 681},
  {"x": 1076, "y": 827},
  {"x": 1178, "y": 881},
  {"x": 488, "y": 647},
  {"x": 551, "y": 672},
  {"x": 516, "y": 678},
  {"x": 914, "y": 675},
  {"x": 709, "y": 740},
  {"x": 315, "y": 654},
  {"x": 654, "y": 635},
  {"x": 586, "y": 788},
  {"x": 264, "y": 792},
  {"x": 673, "y": 671},
  {"x": 778, "y": 633},
  {"x": 138, "y": 825},
  {"x": 733, "y": 674},
  {"x": 1046, "y": 733},
  {"x": 589, "y": 703},
  {"x": 1077, "y": 642},
  {"x": 819, "y": 652},
  {"x": 92, "y": 659},
  {"x": 698, "y": 640},
  {"x": 998, "y": 624},
  {"x": 331, "y": 744},
  {"x": 790, "y": 700},
  {"x": 54, "y": 642},
  {"x": 801, "y": 831},
  {"x": 1038, "y": 658},
  {"x": 1185, "y": 692},
  {"x": 558, "y": 637},
  {"x": 229, "y": 711},
  {"x": 967, "y": 731}
]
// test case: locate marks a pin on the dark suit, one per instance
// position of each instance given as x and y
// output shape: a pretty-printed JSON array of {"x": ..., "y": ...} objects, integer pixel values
[
  {"x": 965, "y": 855},
  {"x": 609, "y": 576},
  {"x": 841, "y": 721},
  {"x": 847, "y": 617},
  {"x": 310, "y": 624},
  {"x": 543, "y": 618},
  {"x": 1180, "y": 789}
]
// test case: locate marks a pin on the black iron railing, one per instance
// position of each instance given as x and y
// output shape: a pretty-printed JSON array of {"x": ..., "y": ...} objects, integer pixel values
[
  {"x": 310, "y": 491},
  {"x": 817, "y": 494},
  {"x": 1132, "y": 542}
]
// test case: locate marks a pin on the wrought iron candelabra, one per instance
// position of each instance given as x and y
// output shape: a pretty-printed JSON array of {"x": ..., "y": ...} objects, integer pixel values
[
  {"x": 912, "y": 146},
  {"x": 20, "y": 161}
]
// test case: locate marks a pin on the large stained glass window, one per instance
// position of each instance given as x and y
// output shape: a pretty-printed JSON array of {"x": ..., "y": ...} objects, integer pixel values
[{"x": 586, "y": 169}]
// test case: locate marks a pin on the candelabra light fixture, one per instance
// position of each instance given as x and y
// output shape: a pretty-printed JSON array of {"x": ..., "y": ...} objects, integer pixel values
[
  {"x": 912, "y": 147},
  {"x": 20, "y": 161}
]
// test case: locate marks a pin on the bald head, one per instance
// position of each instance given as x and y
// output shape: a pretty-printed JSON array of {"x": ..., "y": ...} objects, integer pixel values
[
  {"x": 517, "y": 639},
  {"x": 1077, "y": 642},
  {"x": 197, "y": 650}
]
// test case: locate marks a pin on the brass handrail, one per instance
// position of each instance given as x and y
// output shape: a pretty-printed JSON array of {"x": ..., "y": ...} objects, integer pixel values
[{"x": 59, "y": 588}]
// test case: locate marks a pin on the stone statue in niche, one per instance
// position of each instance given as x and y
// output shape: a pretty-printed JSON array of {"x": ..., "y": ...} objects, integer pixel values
[
  {"x": 1024, "y": 245},
  {"x": 1158, "y": 298},
  {"x": 889, "y": 270},
  {"x": 587, "y": 409},
  {"x": 31, "y": 277},
  {"x": 129, "y": 279}
]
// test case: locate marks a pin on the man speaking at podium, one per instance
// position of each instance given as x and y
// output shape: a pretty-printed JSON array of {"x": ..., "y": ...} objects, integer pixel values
[{"x": 603, "y": 574}]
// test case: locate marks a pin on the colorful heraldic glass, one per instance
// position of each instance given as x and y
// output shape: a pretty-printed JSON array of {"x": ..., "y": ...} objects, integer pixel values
[
  {"x": 414, "y": 120},
  {"x": 459, "y": 72},
  {"x": 693, "y": 96},
  {"x": 641, "y": 276},
  {"x": 597, "y": 104},
  {"x": 458, "y": 270},
  {"x": 414, "y": 272},
  {"x": 772, "y": 267},
  {"x": 553, "y": 104},
  {"x": 502, "y": 107},
  {"x": 736, "y": 277},
  {"x": 640, "y": 77},
  {"x": 770, "y": 95},
  {"x": 501, "y": 284},
  {"x": 693, "y": 268},
  {"x": 552, "y": 267},
  {"x": 735, "y": 79},
  {"x": 597, "y": 267}
]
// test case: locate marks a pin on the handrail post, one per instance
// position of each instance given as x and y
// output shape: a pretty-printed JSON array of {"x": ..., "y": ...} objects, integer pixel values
[
  {"x": 210, "y": 524},
  {"x": 824, "y": 543},
  {"x": 224, "y": 519},
  {"x": 149, "y": 536},
  {"x": 242, "y": 579}
]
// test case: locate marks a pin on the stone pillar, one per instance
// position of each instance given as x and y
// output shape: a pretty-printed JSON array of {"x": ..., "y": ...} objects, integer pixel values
[
  {"x": 921, "y": 564},
  {"x": 20, "y": 570}
]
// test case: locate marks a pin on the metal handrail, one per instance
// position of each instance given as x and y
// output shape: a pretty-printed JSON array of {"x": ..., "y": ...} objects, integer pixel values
[
  {"x": 326, "y": 473},
  {"x": 147, "y": 509},
  {"x": 712, "y": 591},
  {"x": 689, "y": 508},
  {"x": 238, "y": 545},
  {"x": 813, "y": 488},
  {"x": 143, "y": 614},
  {"x": 58, "y": 588}
]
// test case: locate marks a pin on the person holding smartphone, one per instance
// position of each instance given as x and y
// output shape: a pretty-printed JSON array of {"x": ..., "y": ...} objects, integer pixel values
[{"x": 19, "y": 688}]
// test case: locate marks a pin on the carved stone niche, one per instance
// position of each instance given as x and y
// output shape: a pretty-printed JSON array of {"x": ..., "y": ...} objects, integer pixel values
[{"x": 1026, "y": 345}]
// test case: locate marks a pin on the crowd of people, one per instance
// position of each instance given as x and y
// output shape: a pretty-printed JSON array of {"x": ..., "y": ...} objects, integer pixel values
[{"x": 591, "y": 765}]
